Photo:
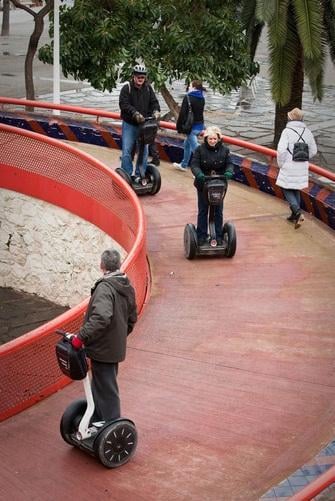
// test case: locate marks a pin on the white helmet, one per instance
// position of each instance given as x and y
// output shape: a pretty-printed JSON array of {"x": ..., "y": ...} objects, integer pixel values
[{"x": 139, "y": 69}]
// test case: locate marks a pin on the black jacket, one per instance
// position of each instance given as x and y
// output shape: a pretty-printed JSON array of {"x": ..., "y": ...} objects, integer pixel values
[
  {"x": 206, "y": 159},
  {"x": 197, "y": 105},
  {"x": 142, "y": 99},
  {"x": 110, "y": 317}
]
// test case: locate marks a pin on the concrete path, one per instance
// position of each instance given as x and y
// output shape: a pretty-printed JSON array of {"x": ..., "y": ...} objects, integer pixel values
[{"x": 230, "y": 371}]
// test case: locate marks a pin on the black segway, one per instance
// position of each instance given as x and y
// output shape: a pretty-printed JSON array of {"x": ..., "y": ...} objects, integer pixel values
[
  {"x": 113, "y": 442},
  {"x": 215, "y": 188},
  {"x": 148, "y": 182}
]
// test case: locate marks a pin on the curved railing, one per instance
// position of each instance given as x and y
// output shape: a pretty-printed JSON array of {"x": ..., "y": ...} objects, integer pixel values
[
  {"x": 58, "y": 173},
  {"x": 43, "y": 337},
  {"x": 98, "y": 113}
]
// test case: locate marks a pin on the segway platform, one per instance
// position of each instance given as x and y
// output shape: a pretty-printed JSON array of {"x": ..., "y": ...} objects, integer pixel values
[
  {"x": 148, "y": 182},
  {"x": 113, "y": 442},
  {"x": 214, "y": 190}
]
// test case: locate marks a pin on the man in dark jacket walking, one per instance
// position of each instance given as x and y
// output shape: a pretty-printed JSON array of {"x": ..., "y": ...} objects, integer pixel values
[
  {"x": 110, "y": 317},
  {"x": 137, "y": 102}
]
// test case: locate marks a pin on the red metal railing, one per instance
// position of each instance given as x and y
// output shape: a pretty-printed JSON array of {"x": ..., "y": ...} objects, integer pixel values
[
  {"x": 58, "y": 173},
  {"x": 98, "y": 113},
  {"x": 316, "y": 487}
]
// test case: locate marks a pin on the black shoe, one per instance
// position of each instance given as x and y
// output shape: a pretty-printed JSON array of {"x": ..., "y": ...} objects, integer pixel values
[
  {"x": 292, "y": 218},
  {"x": 155, "y": 161}
]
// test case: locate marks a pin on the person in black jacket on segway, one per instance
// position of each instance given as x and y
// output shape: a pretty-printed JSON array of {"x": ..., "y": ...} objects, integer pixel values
[
  {"x": 211, "y": 157},
  {"x": 137, "y": 102}
]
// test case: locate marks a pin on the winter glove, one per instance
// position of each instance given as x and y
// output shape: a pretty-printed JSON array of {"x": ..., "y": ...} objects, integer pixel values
[
  {"x": 200, "y": 177},
  {"x": 76, "y": 342},
  {"x": 228, "y": 174},
  {"x": 156, "y": 114},
  {"x": 138, "y": 117}
]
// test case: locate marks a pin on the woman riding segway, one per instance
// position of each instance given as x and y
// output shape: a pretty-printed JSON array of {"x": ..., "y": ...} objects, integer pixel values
[{"x": 212, "y": 167}]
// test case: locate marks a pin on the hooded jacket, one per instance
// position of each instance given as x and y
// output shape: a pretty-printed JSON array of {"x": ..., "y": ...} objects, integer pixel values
[
  {"x": 110, "y": 317},
  {"x": 293, "y": 175}
]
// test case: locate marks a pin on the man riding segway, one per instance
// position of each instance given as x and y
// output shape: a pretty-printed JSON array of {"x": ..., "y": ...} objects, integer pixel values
[{"x": 139, "y": 108}]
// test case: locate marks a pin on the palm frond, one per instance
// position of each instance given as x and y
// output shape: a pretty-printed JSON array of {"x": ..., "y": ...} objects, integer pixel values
[
  {"x": 309, "y": 26},
  {"x": 329, "y": 25},
  {"x": 248, "y": 13},
  {"x": 283, "y": 60},
  {"x": 265, "y": 10},
  {"x": 278, "y": 24},
  {"x": 315, "y": 73}
]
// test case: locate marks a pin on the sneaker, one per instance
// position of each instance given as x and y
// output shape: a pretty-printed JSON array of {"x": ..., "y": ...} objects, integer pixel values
[
  {"x": 300, "y": 219},
  {"x": 179, "y": 167}
]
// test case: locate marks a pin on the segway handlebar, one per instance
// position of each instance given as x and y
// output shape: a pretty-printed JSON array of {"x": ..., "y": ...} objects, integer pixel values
[
  {"x": 215, "y": 176},
  {"x": 66, "y": 335}
]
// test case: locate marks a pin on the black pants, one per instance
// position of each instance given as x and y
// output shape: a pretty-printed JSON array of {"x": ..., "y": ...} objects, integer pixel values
[
  {"x": 105, "y": 391},
  {"x": 202, "y": 223}
]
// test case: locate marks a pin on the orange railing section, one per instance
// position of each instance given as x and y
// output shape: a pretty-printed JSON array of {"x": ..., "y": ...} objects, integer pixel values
[{"x": 58, "y": 173}]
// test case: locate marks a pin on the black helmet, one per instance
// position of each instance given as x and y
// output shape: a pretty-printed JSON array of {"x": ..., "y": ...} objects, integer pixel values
[{"x": 139, "y": 69}]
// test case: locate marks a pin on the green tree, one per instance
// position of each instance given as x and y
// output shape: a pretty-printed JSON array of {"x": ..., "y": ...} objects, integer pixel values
[
  {"x": 102, "y": 39},
  {"x": 299, "y": 34}
]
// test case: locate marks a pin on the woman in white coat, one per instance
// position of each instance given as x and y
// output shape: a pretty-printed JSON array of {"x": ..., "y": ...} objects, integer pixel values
[{"x": 293, "y": 175}]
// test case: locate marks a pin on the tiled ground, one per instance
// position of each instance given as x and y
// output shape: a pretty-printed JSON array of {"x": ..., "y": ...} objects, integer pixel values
[{"x": 303, "y": 476}]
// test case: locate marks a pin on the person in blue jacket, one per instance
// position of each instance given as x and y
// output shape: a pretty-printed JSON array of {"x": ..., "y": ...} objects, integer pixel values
[{"x": 197, "y": 100}]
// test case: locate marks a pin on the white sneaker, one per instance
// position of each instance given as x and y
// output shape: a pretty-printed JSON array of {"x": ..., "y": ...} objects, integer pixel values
[{"x": 179, "y": 167}]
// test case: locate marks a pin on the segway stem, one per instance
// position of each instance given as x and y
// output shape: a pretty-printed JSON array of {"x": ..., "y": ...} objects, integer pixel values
[{"x": 83, "y": 430}]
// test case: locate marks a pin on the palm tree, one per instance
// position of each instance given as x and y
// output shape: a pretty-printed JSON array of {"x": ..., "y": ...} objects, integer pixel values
[{"x": 300, "y": 32}]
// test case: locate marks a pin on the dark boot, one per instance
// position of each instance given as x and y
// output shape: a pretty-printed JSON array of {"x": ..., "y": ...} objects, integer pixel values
[{"x": 291, "y": 218}]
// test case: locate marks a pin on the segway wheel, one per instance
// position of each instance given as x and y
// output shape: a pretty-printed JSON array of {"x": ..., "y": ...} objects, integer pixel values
[
  {"x": 155, "y": 177},
  {"x": 190, "y": 241},
  {"x": 71, "y": 419},
  {"x": 125, "y": 176},
  {"x": 116, "y": 443},
  {"x": 229, "y": 235}
]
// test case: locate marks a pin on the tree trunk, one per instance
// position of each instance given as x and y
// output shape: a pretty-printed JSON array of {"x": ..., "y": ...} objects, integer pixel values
[
  {"x": 33, "y": 43},
  {"x": 295, "y": 99},
  {"x": 172, "y": 104},
  {"x": 5, "y": 19},
  {"x": 32, "y": 48}
]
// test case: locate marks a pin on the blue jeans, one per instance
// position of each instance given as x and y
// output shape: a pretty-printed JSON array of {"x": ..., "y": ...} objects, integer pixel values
[
  {"x": 190, "y": 144},
  {"x": 202, "y": 223},
  {"x": 130, "y": 135},
  {"x": 293, "y": 198}
]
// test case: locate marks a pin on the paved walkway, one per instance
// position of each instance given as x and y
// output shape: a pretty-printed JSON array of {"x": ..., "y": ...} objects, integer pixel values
[
  {"x": 231, "y": 392},
  {"x": 253, "y": 469}
]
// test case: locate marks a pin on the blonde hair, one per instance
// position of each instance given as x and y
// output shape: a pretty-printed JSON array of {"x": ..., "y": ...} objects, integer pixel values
[{"x": 213, "y": 131}]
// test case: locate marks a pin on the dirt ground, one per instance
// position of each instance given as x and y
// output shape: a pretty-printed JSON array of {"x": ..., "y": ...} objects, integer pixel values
[{"x": 21, "y": 312}]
